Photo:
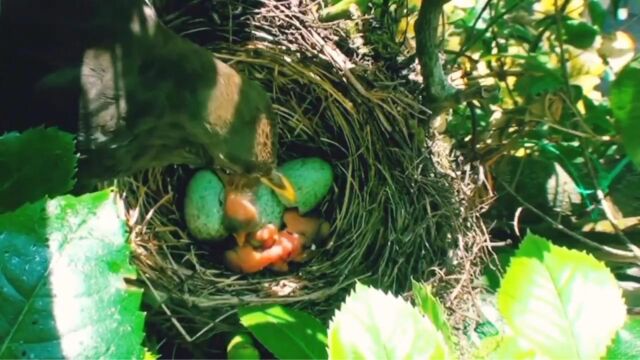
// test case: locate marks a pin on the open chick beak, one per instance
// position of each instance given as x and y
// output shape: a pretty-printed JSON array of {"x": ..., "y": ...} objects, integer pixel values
[{"x": 282, "y": 187}]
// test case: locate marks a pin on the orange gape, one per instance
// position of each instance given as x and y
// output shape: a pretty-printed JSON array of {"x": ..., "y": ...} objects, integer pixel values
[
  {"x": 238, "y": 207},
  {"x": 276, "y": 248},
  {"x": 241, "y": 212},
  {"x": 307, "y": 227}
]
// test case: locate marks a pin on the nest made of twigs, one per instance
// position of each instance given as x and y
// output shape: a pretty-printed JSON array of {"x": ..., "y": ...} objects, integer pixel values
[{"x": 395, "y": 214}]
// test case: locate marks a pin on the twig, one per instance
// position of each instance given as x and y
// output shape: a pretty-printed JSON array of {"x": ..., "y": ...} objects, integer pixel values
[
  {"x": 440, "y": 95},
  {"x": 625, "y": 254}
]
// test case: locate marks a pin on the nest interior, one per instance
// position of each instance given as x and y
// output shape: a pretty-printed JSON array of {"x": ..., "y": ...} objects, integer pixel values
[{"x": 395, "y": 213}]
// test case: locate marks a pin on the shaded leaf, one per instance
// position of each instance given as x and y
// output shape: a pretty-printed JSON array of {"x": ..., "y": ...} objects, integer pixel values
[
  {"x": 287, "y": 333},
  {"x": 430, "y": 306},
  {"x": 597, "y": 13},
  {"x": 538, "y": 78},
  {"x": 374, "y": 325},
  {"x": 626, "y": 344},
  {"x": 625, "y": 106},
  {"x": 36, "y": 163},
  {"x": 552, "y": 299},
  {"x": 580, "y": 34},
  {"x": 598, "y": 117},
  {"x": 62, "y": 293},
  {"x": 494, "y": 269}
]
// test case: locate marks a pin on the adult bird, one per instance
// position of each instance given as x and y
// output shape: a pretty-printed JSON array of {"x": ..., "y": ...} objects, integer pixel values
[{"x": 137, "y": 94}]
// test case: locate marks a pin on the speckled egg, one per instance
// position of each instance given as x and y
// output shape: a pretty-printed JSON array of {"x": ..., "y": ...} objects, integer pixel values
[
  {"x": 203, "y": 206},
  {"x": 311, "y": 178},
  {"x": 270, "y": 209}
]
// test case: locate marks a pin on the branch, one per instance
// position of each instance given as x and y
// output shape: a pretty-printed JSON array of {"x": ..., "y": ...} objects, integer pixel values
[{"x": 440, "y": 95}]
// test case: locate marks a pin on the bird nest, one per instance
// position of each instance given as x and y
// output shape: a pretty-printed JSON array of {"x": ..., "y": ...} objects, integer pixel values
[{"x": 396, "y": 208}]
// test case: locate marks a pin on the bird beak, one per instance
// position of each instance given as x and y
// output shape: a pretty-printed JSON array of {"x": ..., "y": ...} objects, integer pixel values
[{"x": 282, "y": 187}]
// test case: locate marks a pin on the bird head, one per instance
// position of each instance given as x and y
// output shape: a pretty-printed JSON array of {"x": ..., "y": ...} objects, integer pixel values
[{"x": 246, "y": 149}]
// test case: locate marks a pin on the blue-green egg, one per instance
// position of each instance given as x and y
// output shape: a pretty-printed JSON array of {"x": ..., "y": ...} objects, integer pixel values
[
  {"x": 203, "y": 206},
  {"x": 311, "y": 179},
  {"x": 270, "y": 209}
]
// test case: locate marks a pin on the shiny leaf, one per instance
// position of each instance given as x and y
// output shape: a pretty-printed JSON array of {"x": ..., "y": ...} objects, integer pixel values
[
  {"x": 287, "y": 333},
  {"x": 552, "y": 300},
  {"x": 374, "y": 325},
  {"x": 62, "y": 292}
]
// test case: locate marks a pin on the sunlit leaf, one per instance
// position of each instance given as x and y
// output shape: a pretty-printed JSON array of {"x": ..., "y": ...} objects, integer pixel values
[
  {"x": 625, "y": 92},
  {"x": 62, "y": 292},
  {"x": 618, "y": 48},
  {"x": 34, "y": 164},
  {"x": 507, "y": 347},
  {"x": 287, "y": 333},
  {"x": 586, "y": 63},
  {"x": 573, "y": 9},
  {"x": 552, "y": 299},
  {"x": 241, "y": 347},
  {"x": 374, "y": 325}
]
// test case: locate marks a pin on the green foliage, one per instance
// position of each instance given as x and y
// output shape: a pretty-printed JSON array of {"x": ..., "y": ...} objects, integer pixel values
[
  {"x": 507, "y": 347},
  {"x": 62, "y": 264},
  {"x": 287, "y": 333},
  {"x": 625, "y": 93},
  {"x": 36, "y": 163},
  {"x": 538, "y": 78},
  {"x": 553, "y": 66},
  {"x": 494, "y": 269},
  {"x": 626, "y": 344},
  {"x": 553, "y": 299},
  {"x": 580, "y": 34},
  {"x": 431, "y": 307},
  {"x": 241, "y": 347},
  {"x": 374, "y": 325},
  {"x": 597, "y": 13}
]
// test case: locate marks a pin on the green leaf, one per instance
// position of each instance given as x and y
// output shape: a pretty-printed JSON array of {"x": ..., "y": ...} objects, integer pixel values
[
  {"x": 597, "y": 13},
  {"x": 430, "y": 306},
  {"x": 241, "y": 347},
  {"x": 579, "y": 34},
  {"x": 625, "y": 92},
  {"x": 538, "y": 78},
  {"x": 626, "y": 344},
  {"x": 34, "y": 164},
  {"x": 374, "y": 325},
  {"x": 598, "y": 117},
  {"x": 504, "y": 347},
  {"x": 287, "y": 333},
  {"x": 553, "y": 298},
  {"x": 62, "y": 292}
]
